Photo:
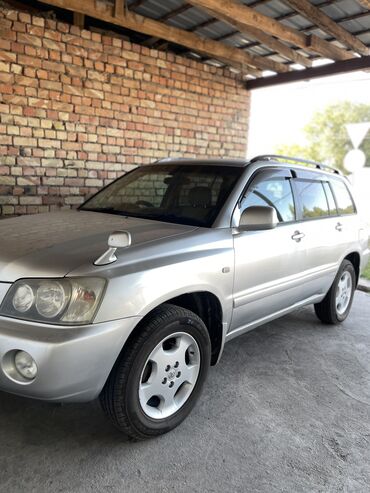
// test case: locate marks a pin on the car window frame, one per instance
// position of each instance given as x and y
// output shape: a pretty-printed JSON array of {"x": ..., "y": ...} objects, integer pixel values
[
  {"x": 334, "y": 198},
  {"x": 82, "y": 207},
  {"x": 286, "y": 173},
  {"x": 355, "y": 211},
  {"x": 299, "y": 202}
]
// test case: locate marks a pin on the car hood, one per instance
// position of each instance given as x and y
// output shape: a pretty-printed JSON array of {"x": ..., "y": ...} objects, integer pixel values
[{"x": 54, "y": 244}]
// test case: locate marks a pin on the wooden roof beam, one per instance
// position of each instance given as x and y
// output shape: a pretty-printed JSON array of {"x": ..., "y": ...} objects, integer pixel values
[
  {"x": 257, "y": 34},
  {"x": 249, "y": 17},
  {"x": 119, "y": 8},
  {"x": 328, "y": 25},
  {"x": 306, "y": 30},
  {"x": 79, "y": 20},
  {"x": 265, "y": 39},
  {"x": 313, "y": 57},
  {"x": 135, "y": 22},
  {"x": 365, "y": 3},
  {"x": 287, "y": 16},
  {"x": 340, "y": 67}
]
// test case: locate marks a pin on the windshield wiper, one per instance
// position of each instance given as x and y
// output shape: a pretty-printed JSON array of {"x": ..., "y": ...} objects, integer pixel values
[
  {"x": 112, "y": 210},
  {"x": 107, "y": 210},
  {"x": 173, "y": 218}
]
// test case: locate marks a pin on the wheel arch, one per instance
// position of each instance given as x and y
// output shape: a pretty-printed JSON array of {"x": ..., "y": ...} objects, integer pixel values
[
  {"x": 355, "y": 259},
  {"x": 208, "y": 307},
  {"x": 204, "y": 304}
]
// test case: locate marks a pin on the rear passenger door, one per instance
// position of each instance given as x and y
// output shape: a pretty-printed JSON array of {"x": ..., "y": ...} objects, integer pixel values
[
  {"x": 347, "y": 223},
  {"x": 319, "y": 228}
]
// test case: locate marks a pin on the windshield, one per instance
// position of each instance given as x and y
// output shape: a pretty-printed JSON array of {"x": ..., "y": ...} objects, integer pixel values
[{"x": 185, "y": 194}]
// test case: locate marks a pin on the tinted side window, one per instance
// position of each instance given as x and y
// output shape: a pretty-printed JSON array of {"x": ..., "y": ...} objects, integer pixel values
[
  {"x": 271, "y": 191},
  {"x": 311, "y": 196},
  {"x": 330, "y": 198},
  {"x": 343, "y": 198}
]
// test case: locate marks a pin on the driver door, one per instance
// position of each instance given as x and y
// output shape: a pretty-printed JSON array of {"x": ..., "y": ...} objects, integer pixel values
[{"x": 267, "y": 263}]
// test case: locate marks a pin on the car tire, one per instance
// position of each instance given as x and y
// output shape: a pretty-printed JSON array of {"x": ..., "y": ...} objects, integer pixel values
[
  {"x": 336, "y": 305},
  {"x": 175, "y": 376}
]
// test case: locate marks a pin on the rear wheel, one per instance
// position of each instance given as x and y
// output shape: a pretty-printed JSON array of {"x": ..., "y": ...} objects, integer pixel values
[
  {"x": 160, "y": 374},
  {"x": 336, "y": 305}
]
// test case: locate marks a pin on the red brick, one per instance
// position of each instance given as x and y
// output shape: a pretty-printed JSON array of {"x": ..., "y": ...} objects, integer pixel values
[
  {"x": 5, "y": 170},
  {"x": 62, "y": 27},
  {"x": 4, "y": 67},
  {"x": 6, "y": 78},
  {"x": 10, "y": 14},
  {"x": 24, "y": 141},
  {"x": 26, "y": 81},
  {"x": 38, "y": 21},
  {"x": 29, "y": 39},
  {"x": 53, "y": 66},
  {"x": 35, "y": 30},
  {"x": 7, "y": 56},
  {"x": 5, "y": 44},
  {"x": 54, "y": 56},
  {"x": 29, "y": 61},
  {"x": 23, "y": 17},
  {"x": 34, "y": 112},
  {"x": 5, "y": 24},
  {"x": 48, "y": 84},
  {"x": 53, "y": 45},
  {"x": 53, "y": 34},
  {"x": 6, "y": 88}
]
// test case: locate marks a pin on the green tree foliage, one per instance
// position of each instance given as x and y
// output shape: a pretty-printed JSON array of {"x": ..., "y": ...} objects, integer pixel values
[{"x": 327, "y": 137}]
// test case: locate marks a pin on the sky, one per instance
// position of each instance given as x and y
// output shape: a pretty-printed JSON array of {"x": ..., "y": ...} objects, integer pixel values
[{"x": 279, "y": 113}]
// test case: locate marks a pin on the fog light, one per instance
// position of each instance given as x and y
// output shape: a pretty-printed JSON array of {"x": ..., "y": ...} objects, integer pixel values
[{"x": 25, "y": 365}]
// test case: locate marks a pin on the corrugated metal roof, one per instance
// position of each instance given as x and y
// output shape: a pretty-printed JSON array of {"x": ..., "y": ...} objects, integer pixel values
[
  {"x": 349, "y": 14},
  {"x": 273, "y": 8}
]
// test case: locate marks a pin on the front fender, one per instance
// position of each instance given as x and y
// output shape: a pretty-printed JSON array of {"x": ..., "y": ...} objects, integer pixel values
[
  {"x": 147, "y": 275},
  {"x": 138, "y": 293}
]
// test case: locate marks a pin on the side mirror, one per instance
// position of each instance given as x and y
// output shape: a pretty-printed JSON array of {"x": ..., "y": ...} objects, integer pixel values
[
  {"x": 258, "y": 218},
  {"x": 117, "y": 239}
]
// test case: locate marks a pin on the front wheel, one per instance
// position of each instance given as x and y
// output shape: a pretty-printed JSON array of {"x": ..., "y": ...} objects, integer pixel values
[
  {"x": 160, "y": 374},
  {"x": 336, "y": 305}
]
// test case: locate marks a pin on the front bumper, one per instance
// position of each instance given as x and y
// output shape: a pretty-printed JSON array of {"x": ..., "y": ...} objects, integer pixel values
[{"x": 73, "y": 362}]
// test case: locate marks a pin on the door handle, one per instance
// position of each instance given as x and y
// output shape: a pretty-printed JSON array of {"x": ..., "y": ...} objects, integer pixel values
[
  {"x": 339, "y": 227},
  {"x": 298, "y": 236}
]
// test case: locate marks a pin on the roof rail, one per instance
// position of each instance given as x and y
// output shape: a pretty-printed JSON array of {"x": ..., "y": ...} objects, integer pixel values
[{"x": 323, "y": 167}]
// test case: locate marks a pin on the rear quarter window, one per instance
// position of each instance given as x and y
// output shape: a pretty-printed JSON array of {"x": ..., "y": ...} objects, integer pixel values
[{"x": 343, "y": 198}]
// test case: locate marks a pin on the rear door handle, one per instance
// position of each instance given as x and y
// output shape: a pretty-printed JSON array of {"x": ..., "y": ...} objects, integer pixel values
[
  {"x": 298, "y": 236},
  {"x": 339, "y": 227}
]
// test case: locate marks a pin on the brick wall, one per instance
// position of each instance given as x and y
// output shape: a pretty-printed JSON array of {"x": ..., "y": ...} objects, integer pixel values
[{"x": 77, "y": 109}]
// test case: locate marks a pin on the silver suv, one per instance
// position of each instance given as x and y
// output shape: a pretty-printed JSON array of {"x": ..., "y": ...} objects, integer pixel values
[{"x": 132, "y": 297}]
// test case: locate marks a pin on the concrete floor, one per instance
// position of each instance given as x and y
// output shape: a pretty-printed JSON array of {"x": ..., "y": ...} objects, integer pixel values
[{"x": 287, "y": 410}]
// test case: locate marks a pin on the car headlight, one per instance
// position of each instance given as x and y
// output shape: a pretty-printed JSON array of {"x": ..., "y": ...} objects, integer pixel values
[
  {"x": 51, "y": 298},
  {"x": 67, "y": 301},
  {"x": 23, "y": 298}
]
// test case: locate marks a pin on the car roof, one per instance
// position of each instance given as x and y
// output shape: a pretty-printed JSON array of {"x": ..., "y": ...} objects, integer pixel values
[{"x": 268, "y": 159}]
